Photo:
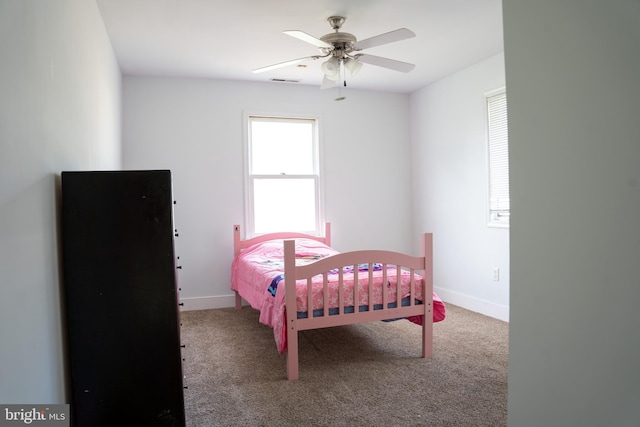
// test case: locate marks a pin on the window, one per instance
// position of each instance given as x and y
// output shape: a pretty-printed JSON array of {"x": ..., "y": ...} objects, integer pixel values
[
  {"x": 498, "y": 142},
  {"x": 283, "y": 180}
]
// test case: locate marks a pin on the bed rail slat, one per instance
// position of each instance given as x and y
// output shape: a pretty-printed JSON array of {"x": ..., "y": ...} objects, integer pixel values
[
  {"x": 356, "y": 293},
  {"x": 341, "y": 291},
  {"x": 412, "y": 287},
  {"x": 385, "y": 298},
  {"x": 370, "y": 268},
  {"x": 398, "y": 285},
  {"x": 310, "y": 297},
  {"x": 325, "y": 293}
]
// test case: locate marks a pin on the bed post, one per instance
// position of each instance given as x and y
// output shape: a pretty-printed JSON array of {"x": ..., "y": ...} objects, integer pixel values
[
  {"x": 327, "y": 233},
  {"x": 236, "y": 251},
  {"x": 427, "y": 321},
  {"x": 236, "y": 240},
  {"x": 291, "y": 309}
]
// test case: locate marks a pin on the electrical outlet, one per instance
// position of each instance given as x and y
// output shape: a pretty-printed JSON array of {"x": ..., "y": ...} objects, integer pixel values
[{"x": 496, "y": 274}]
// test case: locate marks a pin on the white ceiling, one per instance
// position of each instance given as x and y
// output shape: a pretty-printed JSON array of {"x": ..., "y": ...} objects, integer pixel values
[{"x": 227, "y": 39}]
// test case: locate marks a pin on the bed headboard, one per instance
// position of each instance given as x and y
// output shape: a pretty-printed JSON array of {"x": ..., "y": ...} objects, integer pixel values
[{"x": 239, "y": 244}]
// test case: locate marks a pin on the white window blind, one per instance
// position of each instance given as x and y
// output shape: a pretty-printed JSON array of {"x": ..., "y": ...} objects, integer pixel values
[{"x": 498, "y": 137}]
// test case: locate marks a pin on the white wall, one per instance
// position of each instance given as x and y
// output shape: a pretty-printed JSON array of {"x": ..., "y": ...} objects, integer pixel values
[
  {"x": 59, "y": 110},
  {"x": 450, "y": 183},
  {"x": 195, "y": 128},
  {"x": 572, "y": 72}
]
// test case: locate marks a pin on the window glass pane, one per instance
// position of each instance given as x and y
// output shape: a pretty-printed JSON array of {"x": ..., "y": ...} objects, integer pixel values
[
  {"x": 282, "y": 147},
  {"x": 284, "y": 205}
]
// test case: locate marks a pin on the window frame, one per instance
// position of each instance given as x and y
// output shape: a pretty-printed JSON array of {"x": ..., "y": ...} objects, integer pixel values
[
  {"x": 317, "y": 176},
  {"x": 496, "y": 218}
]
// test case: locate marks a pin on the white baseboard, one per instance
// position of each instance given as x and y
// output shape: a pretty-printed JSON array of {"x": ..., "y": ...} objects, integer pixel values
[
  {"x": 207, "y": 303},
  {"x": 487, "y": 308}
]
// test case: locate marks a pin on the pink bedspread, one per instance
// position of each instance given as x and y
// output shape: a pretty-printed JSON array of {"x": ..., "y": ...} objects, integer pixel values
[{"x": 253, "y": 272}]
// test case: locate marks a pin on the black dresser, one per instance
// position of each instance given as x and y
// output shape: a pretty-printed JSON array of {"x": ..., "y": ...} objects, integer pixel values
[{"x": 120, "y": 299}]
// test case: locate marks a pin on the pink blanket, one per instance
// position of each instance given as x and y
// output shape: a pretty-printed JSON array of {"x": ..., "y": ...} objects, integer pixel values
[{"x": 255, "y": 273}]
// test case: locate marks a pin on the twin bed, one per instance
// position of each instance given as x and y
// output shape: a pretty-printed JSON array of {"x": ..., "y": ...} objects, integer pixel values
[{"x": 322, "y": 293}]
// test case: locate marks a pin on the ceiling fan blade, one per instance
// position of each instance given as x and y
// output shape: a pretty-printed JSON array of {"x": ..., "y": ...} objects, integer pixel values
[
  {"x": 284, "y": 64},
  {"x": 392, "y": 64},
  {"x": 327, "y": 83},
  {"x": 308, "y": 38},
  {"x": 390, "y": 37}
]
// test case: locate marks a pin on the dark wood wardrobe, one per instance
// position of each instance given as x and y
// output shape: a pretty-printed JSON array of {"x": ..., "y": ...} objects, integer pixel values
[{"x": 120, "y": 299}]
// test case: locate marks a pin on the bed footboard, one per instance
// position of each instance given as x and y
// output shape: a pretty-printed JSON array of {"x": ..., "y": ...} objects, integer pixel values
[{"x": 385, "y": 311}]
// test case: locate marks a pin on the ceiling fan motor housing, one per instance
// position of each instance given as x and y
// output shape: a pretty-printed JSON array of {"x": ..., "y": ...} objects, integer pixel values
[{"x": 342, "y": 43}]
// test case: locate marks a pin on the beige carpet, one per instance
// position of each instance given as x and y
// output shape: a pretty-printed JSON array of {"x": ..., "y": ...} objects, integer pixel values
[{"x": 360, "y": 375}]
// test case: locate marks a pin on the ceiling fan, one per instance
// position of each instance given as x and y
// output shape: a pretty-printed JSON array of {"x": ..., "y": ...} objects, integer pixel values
[{"x": 342, "y": 51}]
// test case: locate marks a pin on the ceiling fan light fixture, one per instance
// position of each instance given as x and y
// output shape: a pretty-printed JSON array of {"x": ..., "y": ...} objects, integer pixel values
[
  {"x": 331, "y": 68},
  {"x": 333, "y": 77},
  {"x": 353, "y": 65}
]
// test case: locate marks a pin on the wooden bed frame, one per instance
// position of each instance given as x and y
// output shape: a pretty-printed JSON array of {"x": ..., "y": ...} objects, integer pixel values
[{"x": 422, "y": 265}]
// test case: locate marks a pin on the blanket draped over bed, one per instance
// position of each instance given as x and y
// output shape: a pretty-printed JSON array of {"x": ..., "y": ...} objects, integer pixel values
[{"x": 257, "y": 273}]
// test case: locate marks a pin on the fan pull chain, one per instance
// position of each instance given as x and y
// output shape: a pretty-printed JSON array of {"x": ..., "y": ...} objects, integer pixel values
[{"x": 344, "y": 79}]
